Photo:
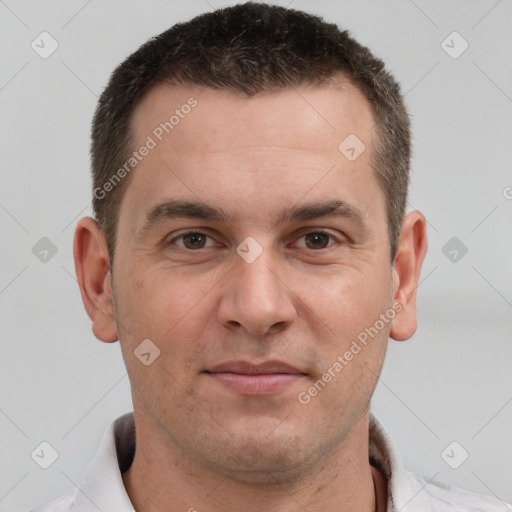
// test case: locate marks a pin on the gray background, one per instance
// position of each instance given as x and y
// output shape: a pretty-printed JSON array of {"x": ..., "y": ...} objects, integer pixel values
[{"x": 451, "y": 382}]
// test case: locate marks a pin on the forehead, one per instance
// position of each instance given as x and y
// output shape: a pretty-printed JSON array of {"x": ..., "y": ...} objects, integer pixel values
[
  {"x": 251, "y": 156},
  {"x": 309, "y": 118}
]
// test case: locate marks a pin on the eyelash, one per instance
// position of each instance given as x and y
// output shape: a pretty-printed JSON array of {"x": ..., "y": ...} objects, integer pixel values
[{"x": 316, "y": 232}]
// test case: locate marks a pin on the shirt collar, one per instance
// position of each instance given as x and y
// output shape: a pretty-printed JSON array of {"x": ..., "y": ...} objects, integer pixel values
[
  {"x": 102, "y": 486},
  {"x": 404, "y": 488}
]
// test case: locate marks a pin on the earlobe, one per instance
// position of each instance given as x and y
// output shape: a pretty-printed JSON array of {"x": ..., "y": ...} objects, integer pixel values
[
  {"x": 412, "y": 247},
  {"x": 92, "y": 268}
]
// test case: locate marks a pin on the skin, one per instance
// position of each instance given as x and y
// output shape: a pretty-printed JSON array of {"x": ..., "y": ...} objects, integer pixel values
[{"x": 200, "y": 444}]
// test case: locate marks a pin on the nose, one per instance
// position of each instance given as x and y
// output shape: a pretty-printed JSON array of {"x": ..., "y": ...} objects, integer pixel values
[{"x": 256, "y": 296}]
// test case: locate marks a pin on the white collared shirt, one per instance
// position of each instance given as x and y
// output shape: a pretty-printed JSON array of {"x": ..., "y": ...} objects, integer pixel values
[{"x": 102, "y": 487}]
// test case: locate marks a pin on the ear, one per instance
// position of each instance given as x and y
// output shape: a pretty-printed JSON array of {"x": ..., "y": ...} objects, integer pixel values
[
  {"x": 412, "y": 247},
  {"x": 92, "y": 268}
]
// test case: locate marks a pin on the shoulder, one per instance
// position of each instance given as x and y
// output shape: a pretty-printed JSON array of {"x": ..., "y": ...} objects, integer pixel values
[
  {"x": 443, "y": 497},
  {"x": 63, "y": 503}
]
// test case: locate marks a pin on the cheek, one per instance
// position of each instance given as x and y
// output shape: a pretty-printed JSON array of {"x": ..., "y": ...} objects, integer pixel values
[
  {"x": 352, "y": 347},
  {"x": 350, "y": 299},
  {"x": 159, "y": 298},
  {"x": 166, "y": 308}
]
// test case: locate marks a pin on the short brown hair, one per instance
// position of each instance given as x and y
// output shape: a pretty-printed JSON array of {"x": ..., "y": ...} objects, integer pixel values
[{"x": 250, "y": 48}]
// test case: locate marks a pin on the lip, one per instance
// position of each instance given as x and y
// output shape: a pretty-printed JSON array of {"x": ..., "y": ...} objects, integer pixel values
[
  {"x": 246, "y": 378},
  {"x": 247, "y": 368}
]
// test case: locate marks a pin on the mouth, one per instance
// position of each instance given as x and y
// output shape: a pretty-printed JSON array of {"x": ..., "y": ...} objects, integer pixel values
[{"x": 245, "y": 378}]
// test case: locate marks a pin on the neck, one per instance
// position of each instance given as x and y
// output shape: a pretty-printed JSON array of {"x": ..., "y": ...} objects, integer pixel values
[{"x": 161, "y": 477}]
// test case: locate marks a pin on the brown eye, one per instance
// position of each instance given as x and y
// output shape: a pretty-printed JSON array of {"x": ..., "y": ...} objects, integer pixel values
[
  {"x": 191, "y": 240},
  {"x": 194, "y": 240},
  {"x": 317, "y": 240}
]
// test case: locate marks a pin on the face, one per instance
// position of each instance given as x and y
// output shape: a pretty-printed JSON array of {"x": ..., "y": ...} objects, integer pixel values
[{"x": 255, "y": 294}]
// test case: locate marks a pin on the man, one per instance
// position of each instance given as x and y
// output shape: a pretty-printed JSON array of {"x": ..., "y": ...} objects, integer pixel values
[{"x": 251, "y": 253}]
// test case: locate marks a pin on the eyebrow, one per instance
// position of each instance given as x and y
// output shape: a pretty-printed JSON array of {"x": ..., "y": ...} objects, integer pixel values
[{"x": 177, "y": 208}]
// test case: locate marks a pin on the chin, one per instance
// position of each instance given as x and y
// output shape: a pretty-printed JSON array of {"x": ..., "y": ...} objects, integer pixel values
[{"x": 262, "y": 461}]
